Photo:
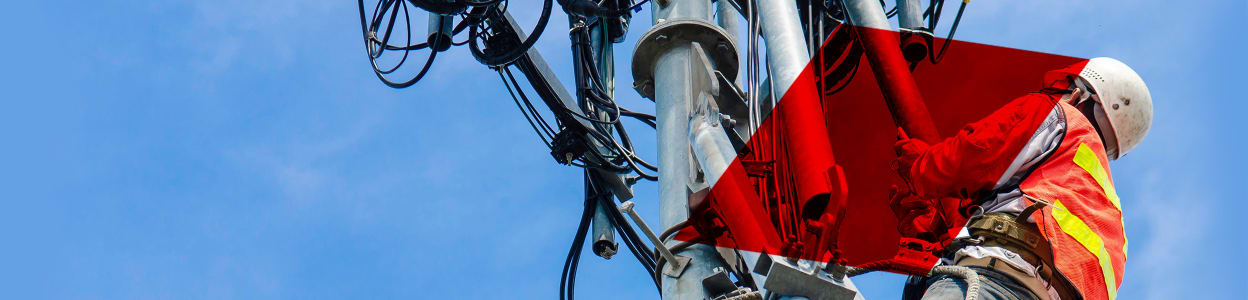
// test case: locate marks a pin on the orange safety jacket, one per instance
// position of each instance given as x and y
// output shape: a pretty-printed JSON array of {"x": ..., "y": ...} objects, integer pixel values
[{"x": 1083, "y": 221}]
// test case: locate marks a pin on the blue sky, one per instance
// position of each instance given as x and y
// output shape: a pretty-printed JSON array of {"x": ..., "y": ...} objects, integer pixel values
[{"x": 243, "y": 149}]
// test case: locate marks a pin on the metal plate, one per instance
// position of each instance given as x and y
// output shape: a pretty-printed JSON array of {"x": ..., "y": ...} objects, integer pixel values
[{"x": 675, "y": 32}]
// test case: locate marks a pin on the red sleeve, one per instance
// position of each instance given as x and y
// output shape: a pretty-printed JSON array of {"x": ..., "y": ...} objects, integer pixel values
[{"x": 977, "y": 157}]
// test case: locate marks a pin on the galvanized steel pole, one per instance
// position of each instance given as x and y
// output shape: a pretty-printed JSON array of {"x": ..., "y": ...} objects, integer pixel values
[
  {"x": 727, "y": 17},
  {"x": 787, "y": 55},
  {"x": 883, "y": 50},
  {"x": 787, "y": 59},
  {"x": 673, "y": 91}
]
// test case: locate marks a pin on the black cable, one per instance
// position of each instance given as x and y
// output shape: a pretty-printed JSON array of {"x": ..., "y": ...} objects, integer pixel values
[
  {"x": 856, "y": 61},
  {"x": 567, "y": 281},
  {"x": 591, "y": 90},
  {"x": 672, "y": 230},
  {"x": 381, "y": 74},
  {"x": 631, "y": 240},
  {"x": 936, "y": 58},
  {"x": 516, "y": 52},
  {"x": 545, "y": 141},
  {"x": 528, "y": 104}
]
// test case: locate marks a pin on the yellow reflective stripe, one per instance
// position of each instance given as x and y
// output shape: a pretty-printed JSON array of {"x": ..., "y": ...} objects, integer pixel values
[
  {"x": 1086, "y": 159},
  {"x": 1077, "y": 229}
]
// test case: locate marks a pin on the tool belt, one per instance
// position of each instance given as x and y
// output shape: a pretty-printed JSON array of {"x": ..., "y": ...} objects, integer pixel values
[{"x": 1020, "y": 237}]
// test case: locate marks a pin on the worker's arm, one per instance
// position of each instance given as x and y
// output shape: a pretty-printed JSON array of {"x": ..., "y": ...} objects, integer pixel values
[{"x": 976, "y": 158}]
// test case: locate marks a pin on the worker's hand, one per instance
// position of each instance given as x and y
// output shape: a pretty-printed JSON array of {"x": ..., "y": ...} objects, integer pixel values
[
  {"x": 917, "y": 218},
  {"x": 908, "y": 150}
]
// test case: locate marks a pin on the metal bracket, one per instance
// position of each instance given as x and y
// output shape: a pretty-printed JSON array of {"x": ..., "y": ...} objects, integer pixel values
[
  {"x": 789, "y": 280},
  {"x": 676, "y": 32}
]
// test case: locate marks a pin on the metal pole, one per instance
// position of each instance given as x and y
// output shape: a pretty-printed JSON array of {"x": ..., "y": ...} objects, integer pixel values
[
  {"x": 673, "y": 91},
  {"x": 787, "y": 55},
  {"x": 910, "y": 14},
  {"x": 883, "y": 50},
  {"x": 787, "y": 59},
  {"x": 604, "y": 244},
  {"x": 727, "y": 17}
]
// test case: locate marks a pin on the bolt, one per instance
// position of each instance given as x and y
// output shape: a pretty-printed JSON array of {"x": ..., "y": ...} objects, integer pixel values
[
  {"x": 644, "y": 87},
  {"x": 723, "y": 47}
]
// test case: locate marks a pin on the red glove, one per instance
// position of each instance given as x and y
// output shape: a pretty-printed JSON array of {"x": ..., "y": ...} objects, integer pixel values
[
  {"x": 908, "y": 151},
  {"x": 916, "y": 217}
]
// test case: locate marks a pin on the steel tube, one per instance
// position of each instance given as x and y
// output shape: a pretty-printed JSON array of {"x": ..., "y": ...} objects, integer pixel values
[
  {"x": 673, "y": 92},
  {"x": 603, "y": 231},
  {"x": 439, "y": 37},
  {"x": 727, "y": 18},
  {"x": 787, "y": 60},
  {"x": 909, "y": 14},
  {"x": 787, "y": 56},
  {"x": 883, "y": 49},
  {"x": 711, "y": 147},
  {"x": 740, "y": 208}
]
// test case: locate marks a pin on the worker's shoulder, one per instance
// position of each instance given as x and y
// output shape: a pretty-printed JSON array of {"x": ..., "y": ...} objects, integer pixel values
[
  {"x": 1042, "y": 100},
  {"x": 1050, "y": 94}
]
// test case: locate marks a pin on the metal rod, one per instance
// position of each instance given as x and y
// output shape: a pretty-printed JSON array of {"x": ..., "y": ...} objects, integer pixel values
[{"x": 627, "y": 208}]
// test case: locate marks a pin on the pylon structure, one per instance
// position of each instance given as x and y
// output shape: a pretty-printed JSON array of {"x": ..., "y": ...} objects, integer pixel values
[{"x": 749, "y": 201}]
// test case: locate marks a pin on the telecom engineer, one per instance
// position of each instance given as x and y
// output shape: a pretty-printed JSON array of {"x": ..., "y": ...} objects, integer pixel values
[{"x": 1033, "y": 177}]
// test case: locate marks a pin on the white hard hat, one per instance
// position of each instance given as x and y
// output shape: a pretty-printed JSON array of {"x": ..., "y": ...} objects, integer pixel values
[{"x": 1125, "y": 100}]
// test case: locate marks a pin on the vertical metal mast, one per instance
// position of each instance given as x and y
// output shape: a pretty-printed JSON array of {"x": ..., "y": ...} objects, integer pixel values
[{"x": 673, "y": 91}]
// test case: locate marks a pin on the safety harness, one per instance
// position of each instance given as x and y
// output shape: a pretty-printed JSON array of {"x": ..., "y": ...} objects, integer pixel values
[{"x": 1015, "y": 234}]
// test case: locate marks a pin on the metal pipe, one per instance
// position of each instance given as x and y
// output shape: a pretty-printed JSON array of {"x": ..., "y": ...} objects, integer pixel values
[
  {"x": 439, "y": 37},
  {"x": 883, "y": 50},
  {"x": 711, "y": 147},
  {"x": 909, "y": 14},
  {"x": 787, "y": 55},
  {"x": 915, "y": 33},
  {"x": 787, "y": 59},
  {"x": 727, "y": 17},
  {"x": 738, "y": 206},
  {"x": 604, "y": 244},
  {"x": 673, "y": 92}
]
